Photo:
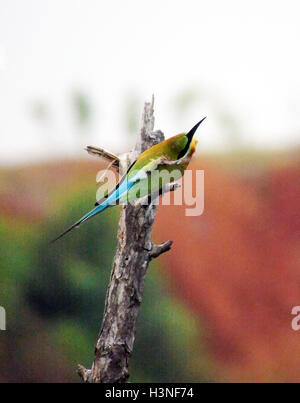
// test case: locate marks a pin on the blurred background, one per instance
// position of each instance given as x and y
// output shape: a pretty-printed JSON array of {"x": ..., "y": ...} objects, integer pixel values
[{"x": 217, "y": 307}]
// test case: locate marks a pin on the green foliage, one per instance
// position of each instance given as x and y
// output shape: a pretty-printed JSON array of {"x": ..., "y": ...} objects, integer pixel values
[{"x": 54, "y": 298}]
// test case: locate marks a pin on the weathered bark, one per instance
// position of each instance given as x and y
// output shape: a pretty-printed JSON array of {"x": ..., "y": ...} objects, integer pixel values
[{"x": 124, "y": 295}]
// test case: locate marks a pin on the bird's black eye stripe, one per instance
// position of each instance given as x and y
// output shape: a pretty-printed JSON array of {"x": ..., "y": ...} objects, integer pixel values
[{"x": 185, "y": 150}]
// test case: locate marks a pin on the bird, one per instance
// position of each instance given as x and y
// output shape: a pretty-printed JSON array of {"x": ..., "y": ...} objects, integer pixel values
[{"x": 172, "y": 156}]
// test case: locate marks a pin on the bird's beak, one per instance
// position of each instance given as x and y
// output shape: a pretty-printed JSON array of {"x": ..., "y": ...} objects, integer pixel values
[{"x": 193, "y": 130}]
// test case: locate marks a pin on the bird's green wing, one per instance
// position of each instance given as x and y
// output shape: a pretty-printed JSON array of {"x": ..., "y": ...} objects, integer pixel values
[
  {"x": 142, "y": 168},
  {"x": 150, "y": 179}
]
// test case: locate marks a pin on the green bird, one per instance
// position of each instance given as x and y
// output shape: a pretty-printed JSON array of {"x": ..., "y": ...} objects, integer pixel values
[{"x": 149, "y": 173}]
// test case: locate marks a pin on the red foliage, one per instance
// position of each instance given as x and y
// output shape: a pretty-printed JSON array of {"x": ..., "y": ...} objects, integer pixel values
[
  {"x": 237, "y": 266},
  {"x": 25, "y": 193}
]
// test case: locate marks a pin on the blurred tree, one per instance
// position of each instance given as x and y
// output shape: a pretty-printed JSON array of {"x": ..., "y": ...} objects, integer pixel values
[
  {"x": 82, "y": 108},
  {"x": 40, "y": 110},
  {"x": 131, "y": 113}
]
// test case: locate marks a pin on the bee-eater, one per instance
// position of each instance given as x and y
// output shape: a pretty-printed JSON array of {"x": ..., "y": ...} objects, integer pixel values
[{"x": 172, "y": 155}]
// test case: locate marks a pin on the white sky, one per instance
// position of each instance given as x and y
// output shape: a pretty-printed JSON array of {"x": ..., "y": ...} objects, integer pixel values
[{"x": 242, "y": 55}]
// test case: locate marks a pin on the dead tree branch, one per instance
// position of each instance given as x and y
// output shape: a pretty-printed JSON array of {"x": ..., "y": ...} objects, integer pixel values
[
  {"x": 124, "y": 294},
  {"x": 113, "y": 159}
]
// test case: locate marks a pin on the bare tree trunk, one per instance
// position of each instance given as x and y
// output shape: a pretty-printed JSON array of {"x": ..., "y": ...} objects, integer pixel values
[{"x": 124, "y": 294}]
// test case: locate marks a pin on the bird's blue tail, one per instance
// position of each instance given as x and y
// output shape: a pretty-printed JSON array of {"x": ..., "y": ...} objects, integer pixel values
[
  {"x": 111, "y": 199},
  {"x": 98, "y": 209}
]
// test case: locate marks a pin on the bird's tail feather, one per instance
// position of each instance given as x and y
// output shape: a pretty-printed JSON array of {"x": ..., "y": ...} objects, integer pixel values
[{"x": 86, "y": 217}]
